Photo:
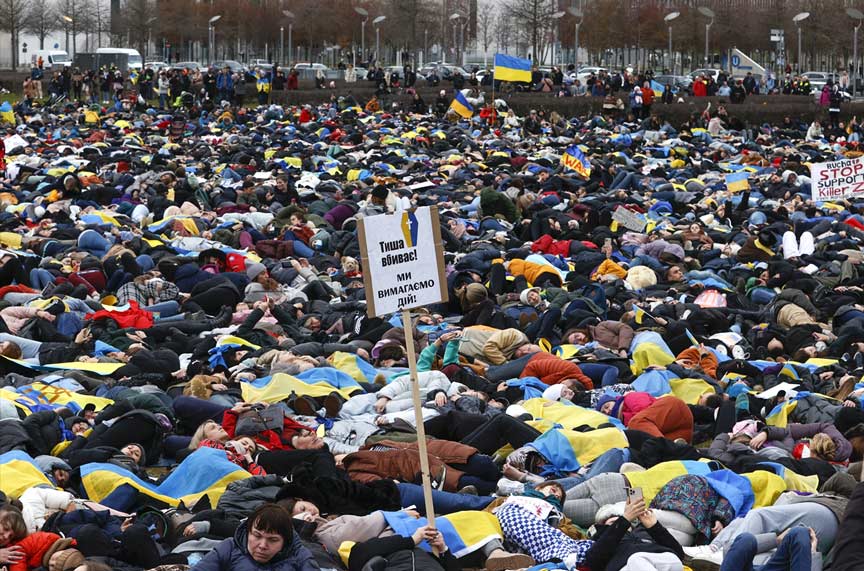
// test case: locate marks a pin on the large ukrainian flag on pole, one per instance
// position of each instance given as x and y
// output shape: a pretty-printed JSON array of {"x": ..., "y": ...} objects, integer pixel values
[
  {"x": 461, "y": 106},
  {"x": 509, "y": 68}
]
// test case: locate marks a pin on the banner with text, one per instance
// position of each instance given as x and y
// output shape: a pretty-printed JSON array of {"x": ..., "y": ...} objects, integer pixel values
[
  {"x": 837, "y": 179},
  {"x": 403, "y": 263}
]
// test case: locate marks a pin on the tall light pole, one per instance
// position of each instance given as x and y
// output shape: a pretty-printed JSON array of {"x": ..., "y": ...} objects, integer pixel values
[
  {"x": 798, "y": 19},
  {"x": 668, "y": 19},
  {"x": 454, "y": 18},
  {"x": 556, "y": 17},
  {"x": 857, "y": 16},
  {"x": 425, "y": 45},
  {"x": 363, "y": 12},
  {"x": 68, "y": 21},
  {"x": 577, "y": 21},
  {"x": 377, "y": 23},
  {"x": 211, "y": 24},
  {"x": 290, "y": 15},
  {"x": 708, "y": 13}
]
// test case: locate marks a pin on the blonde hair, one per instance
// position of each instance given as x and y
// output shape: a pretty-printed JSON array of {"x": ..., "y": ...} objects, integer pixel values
[
  {"x": 822, "y": 446},
  {"x": 199, "y": 434}
]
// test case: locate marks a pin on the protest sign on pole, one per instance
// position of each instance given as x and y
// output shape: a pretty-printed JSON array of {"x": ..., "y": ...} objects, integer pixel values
[
  {"x": 403, "y": 268},
  {"x": 837, "y": 180}
]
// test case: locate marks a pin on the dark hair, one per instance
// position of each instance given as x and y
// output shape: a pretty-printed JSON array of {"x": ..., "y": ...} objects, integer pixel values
[
  {"x": 272, "y": 518},
  {"x": 12, "y": 350},
  {"x": 713, "y": 401},
  {"x": 288, "y": 504}
]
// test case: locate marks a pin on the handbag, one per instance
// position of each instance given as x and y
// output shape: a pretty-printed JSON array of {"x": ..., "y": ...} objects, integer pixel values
[{"x": 258, "y": 420}]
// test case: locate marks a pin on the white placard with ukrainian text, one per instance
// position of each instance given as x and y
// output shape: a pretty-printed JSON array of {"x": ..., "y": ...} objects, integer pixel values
[{"x": 403, "y": 263}]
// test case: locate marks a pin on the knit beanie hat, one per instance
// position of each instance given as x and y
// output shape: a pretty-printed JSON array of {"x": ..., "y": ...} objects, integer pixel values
[
  {"x": 523, "y": 297},
  {"x": 475, "y": 293},
  {"x": 254, "y": 269}
]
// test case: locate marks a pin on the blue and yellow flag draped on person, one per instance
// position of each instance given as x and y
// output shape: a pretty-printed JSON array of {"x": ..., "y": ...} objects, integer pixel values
[
  {"x": 464, "y": 532},
  {"x": 509, "y": 68},
  {"x": 574, "y": 159},
  {"x": 207, "y": 471},
  {"x": 19, "y": 472},
  {"x": 281, "y": 386},
  {"x": 461, "y": 106},
  {"x": 567, "y": 450},
  {"x": 7, "y": 115},
  {"x": 737, "y": 181}
]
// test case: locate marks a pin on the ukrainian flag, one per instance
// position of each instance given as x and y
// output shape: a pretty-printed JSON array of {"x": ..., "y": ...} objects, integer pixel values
[
  {"x": 563, "y": 415},
  {"x": 568, "y": 450},
  {"x": 356, "y": 367},
  {"x": 652, "y": 480},
  {"x": 207, "y": 471},
  {"x": 737, "y": 181},
  {"x": 280, "y": 387},
  {"x": 509, "y": 68},
  {"x": 6, "y": 113},
  {"x": 464, "y": 532},
  {"x": 658, "y": 88},
  {"x": 19, "y": 472},
  {"x": 37, "y": 397},
  {"x": 574, "y": 159},
  {"x": 461, "y": 106},
  {"x": 641, "y": 315}
]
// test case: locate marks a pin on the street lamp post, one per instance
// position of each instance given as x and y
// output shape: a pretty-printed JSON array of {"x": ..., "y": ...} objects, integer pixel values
[
  {"x": 425, "y": 45},
  {"x": 857, "y": 16},
  {"x": 363, "y": 12},
  {"x": 798, "y": 19},
  {"x": 556, "y": 17},
  {"x": 290, "y": 15},
  {"x": 454, "y": 17},
  {"x": 668, "y": 19},
  {"x": 708, "y": 13},
  {"x": 68, "y": 21},
  {"x": 212, "y": 43},
  {"x": 377, "y": 23},
  {"x": 577, "y": 19}
]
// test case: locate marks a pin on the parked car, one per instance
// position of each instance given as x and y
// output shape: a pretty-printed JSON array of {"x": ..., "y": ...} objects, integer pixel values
[
  {"x": 234, "y": 65},
  {"x": 679, "y": 83},
  {"x": 715, "y": 73},
  {"x": 584, "y": 73},
  {"x": 818, "y": 79},
  {"x": 445, "y": 71},
  {"x": 308, "y": 70},
  {"x": 51, "y": 58},
  {"x": 156, "y": 66},
  {"x": 190, "y": 66}
]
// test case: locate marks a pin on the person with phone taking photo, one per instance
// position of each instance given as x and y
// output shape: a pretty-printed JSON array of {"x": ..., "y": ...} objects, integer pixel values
[{"x": 632, "y": 539}]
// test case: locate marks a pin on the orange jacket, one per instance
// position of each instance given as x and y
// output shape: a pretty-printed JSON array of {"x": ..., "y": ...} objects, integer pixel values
[
  {"x": 552, "y": 370},
  {"x": 707, "y": 362},
  {"x": 530, "y": 270}
]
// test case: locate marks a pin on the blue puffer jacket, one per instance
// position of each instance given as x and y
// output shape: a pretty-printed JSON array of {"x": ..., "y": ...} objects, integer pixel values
[{"x": 232, "y": 555}]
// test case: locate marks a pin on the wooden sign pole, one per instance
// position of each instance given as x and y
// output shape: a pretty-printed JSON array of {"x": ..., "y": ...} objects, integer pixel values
[{"x": 408, "y": 326}]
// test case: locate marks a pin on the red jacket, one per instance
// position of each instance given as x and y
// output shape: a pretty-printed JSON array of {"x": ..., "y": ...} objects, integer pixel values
[
  {"x": 134, "y": 317},
  {"x": 548, "y": 245},
  {"x": 700, "y": 89},
  {"x": 552, "y": 370},
  {"x": 269, "y": 439},
  {"x": 34, "y": 545},
  {"x": 647, "y": 96}
]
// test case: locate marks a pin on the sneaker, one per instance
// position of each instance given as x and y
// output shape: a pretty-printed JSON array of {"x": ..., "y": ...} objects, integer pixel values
[
  {"x": 697, "y": 550},
  {"x": 508, "y": 487},
  {"x": 501, "y": 560},
  {"x": 708, "y": 560}
]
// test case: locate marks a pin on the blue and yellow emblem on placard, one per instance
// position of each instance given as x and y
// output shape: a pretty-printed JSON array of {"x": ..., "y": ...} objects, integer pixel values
[{"x": 409, "y": 229}]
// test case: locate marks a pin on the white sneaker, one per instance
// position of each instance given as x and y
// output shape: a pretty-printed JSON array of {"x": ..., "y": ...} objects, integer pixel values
[
  {"x": 507, "y": 487},
  {"x": 698, "y": 550}
]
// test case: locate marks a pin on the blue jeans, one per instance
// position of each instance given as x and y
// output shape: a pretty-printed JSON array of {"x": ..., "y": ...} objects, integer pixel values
[
  {"x": 601, "y": 375},
  {"x": 793, "y": 554},
  {"x": 164, "y": 309},
  {"x": 39, "y": 278},
  {"x": 444, "y": 502},
  {"x": 94, "y": 243},
  {"x": 609, "y": 461}
]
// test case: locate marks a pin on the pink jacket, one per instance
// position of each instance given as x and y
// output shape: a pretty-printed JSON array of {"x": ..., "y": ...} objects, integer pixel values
[{"x": 17, "y": 317}]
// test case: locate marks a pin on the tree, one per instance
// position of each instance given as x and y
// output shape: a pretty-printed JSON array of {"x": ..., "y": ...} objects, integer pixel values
[
  {"x": 486, "y": 28},
  {"x": 12, "y": 16},
  {"x": 532, "y": 18},
  {"x": 41, "y": 20}
]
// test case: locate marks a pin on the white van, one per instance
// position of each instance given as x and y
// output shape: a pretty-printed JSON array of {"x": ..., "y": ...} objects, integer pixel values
[
  {"x": 51, "y": 58},
  {"x": 134, "y": 60}
]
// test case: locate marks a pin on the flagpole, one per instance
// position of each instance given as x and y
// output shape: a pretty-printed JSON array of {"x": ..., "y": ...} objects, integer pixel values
[{"x": 418, "y": 418}]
